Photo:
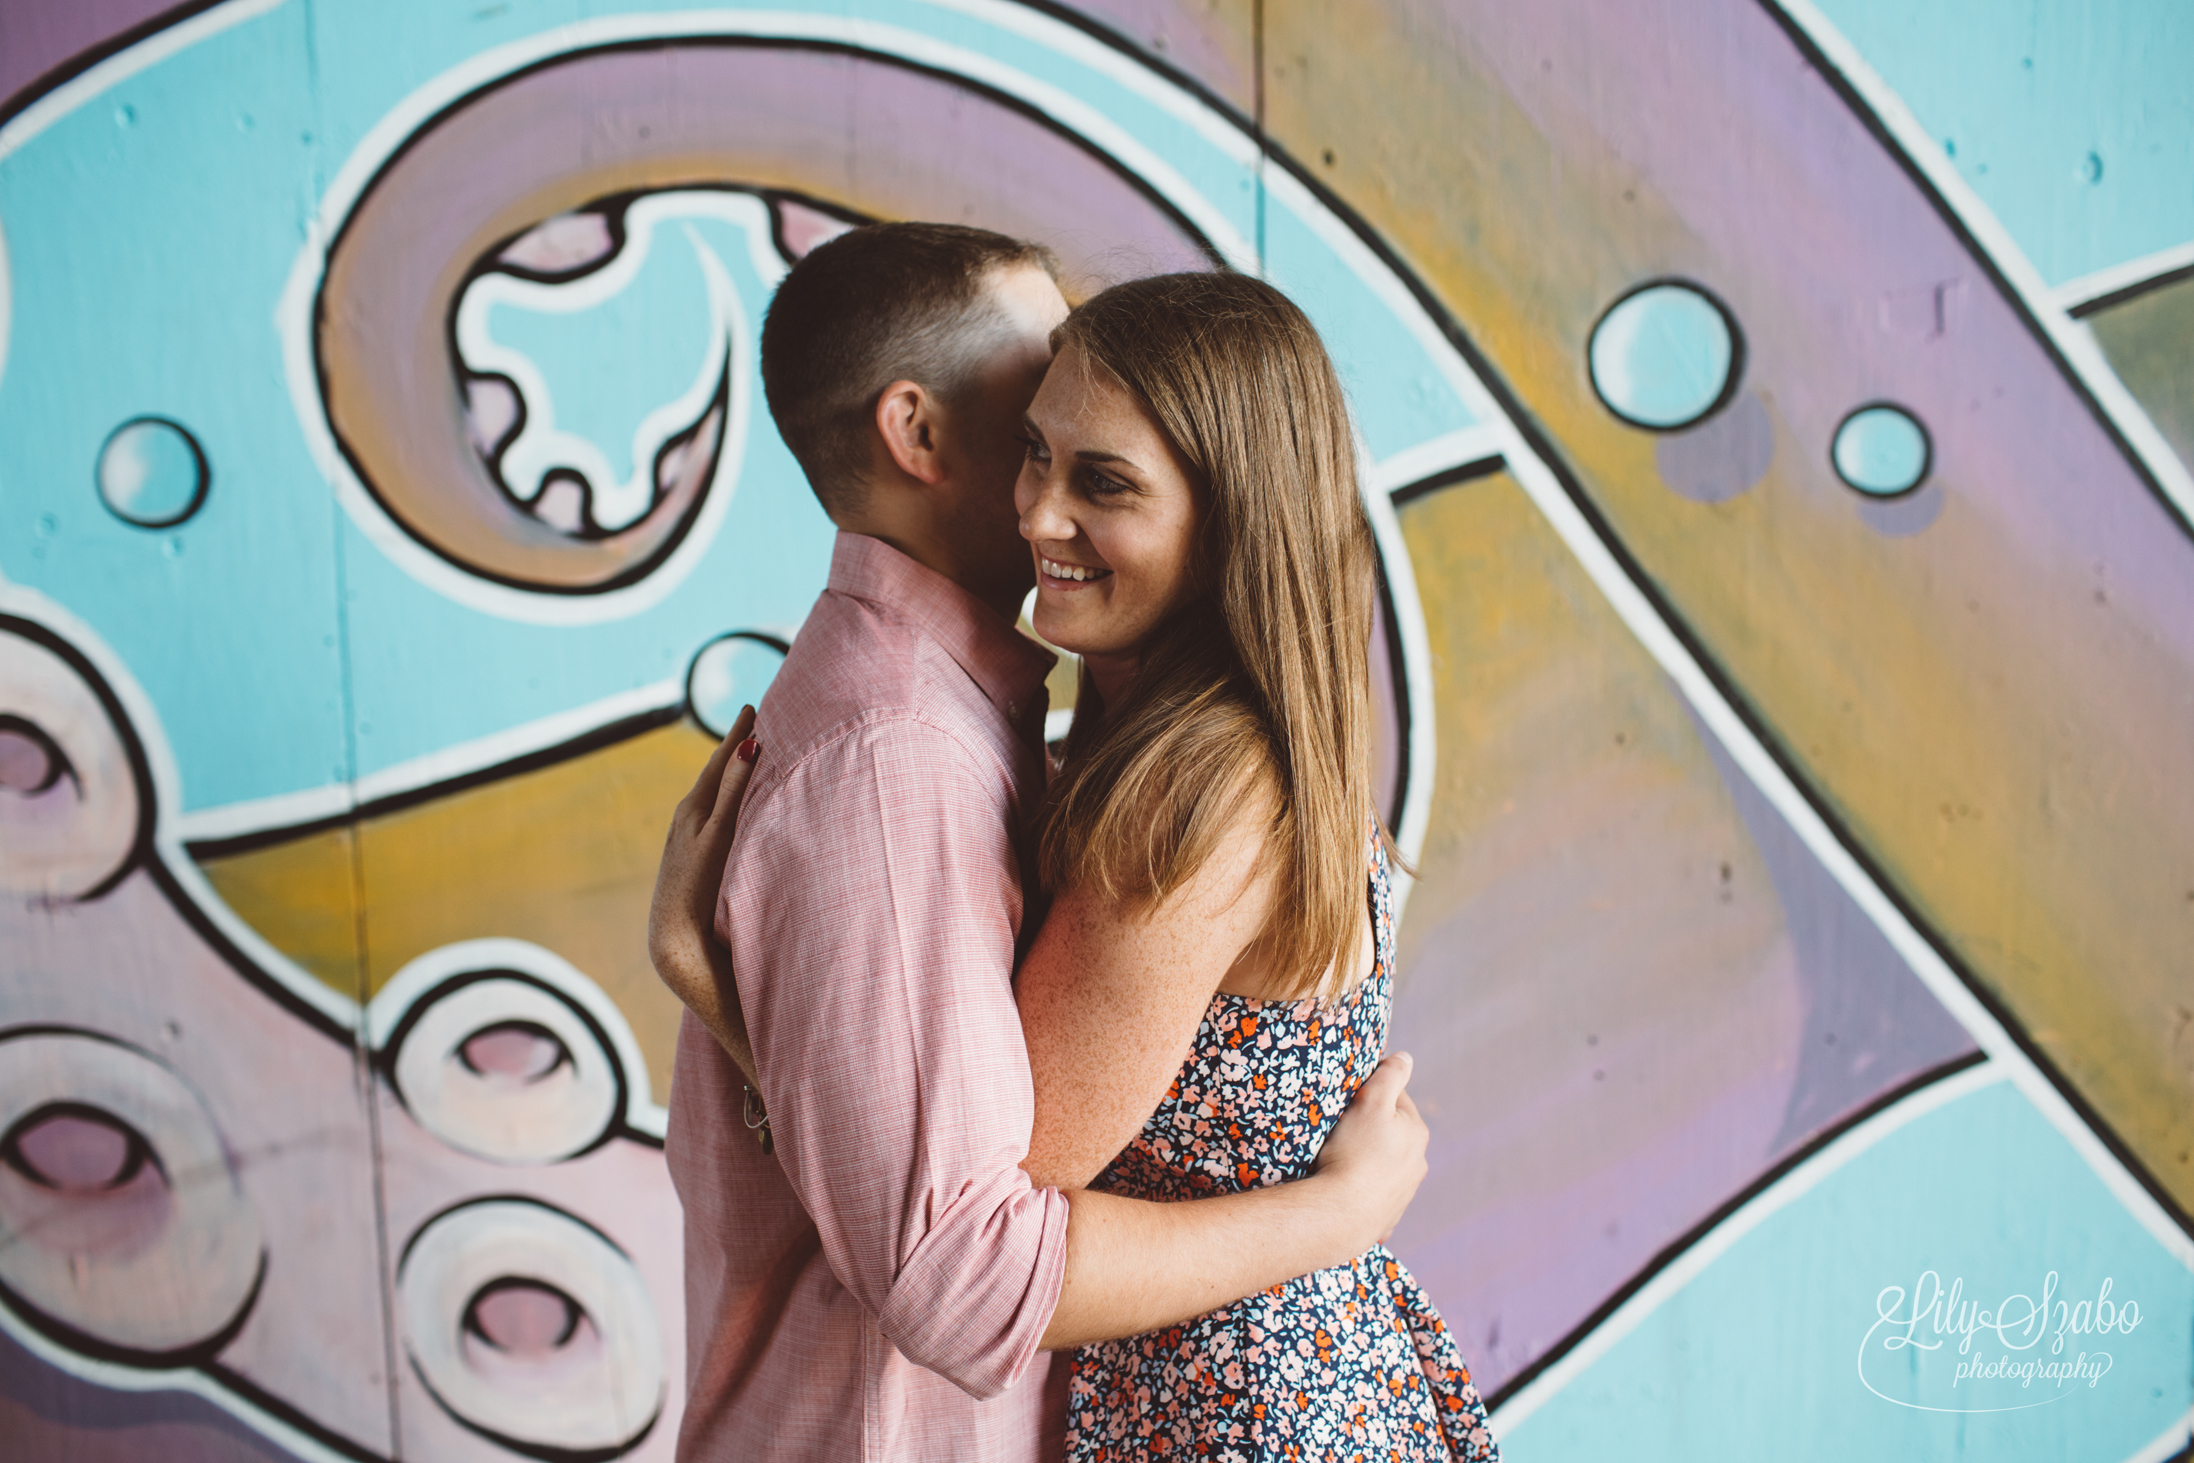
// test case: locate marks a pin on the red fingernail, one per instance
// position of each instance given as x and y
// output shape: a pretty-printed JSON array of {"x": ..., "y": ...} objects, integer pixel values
[{"x": 748, "y": 750}]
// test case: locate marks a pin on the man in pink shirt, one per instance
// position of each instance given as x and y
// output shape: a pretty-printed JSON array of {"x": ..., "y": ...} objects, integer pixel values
[{"x": 882, "y": 1281}]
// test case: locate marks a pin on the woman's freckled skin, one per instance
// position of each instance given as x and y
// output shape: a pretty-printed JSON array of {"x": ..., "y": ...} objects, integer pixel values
[{"x": 1102, "y": 490}]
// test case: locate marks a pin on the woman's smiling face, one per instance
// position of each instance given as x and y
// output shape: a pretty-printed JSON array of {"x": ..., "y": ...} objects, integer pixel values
[{"x": 1112, "y": 514}]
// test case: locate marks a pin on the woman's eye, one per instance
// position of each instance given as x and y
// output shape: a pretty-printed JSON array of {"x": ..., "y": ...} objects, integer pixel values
[
  {"x": 1103, "y": 485},
  {"x": 1033, "y": 450}
]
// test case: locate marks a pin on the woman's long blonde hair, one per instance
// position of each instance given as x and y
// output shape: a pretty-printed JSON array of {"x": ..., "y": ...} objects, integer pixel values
[{"x": 1260, "y": 687}]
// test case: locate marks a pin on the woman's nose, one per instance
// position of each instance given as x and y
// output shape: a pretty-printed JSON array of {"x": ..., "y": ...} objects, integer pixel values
[{"x": 1043, "y": 518}]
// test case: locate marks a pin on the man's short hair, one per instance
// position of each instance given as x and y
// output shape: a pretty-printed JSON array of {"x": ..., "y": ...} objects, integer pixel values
[{"x": 878, "y": 304}]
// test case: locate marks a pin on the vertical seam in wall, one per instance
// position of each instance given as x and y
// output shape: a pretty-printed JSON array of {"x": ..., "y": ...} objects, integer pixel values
[
  {"x": 1257, "y": 119},
  {"x": 361, "y": 1042},
  {"x": 362, "y": 1064}
]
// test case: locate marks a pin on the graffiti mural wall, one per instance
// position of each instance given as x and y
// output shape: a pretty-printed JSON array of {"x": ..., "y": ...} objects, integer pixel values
[{"x": 1777, "y": 432}]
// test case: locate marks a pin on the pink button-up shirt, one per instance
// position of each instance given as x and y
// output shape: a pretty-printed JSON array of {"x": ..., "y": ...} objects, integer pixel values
[{"x": 877, "y": 1289}]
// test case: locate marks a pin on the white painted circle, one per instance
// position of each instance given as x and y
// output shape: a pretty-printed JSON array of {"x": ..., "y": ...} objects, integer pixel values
[
  {"x": 152, "y": 1265},
  {"x": 539, "y": 1117},
  {"x": 599, "y": 1390}
]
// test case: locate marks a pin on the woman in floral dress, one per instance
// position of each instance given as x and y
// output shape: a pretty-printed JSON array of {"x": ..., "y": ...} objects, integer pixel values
[{"x": 1215, "y": 976}]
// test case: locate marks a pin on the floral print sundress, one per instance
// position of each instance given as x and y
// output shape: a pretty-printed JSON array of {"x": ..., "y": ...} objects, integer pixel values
[{"x": 1351, "y": 1362}]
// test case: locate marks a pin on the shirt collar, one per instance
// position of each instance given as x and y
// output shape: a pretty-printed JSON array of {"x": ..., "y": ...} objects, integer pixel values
[{"x": 1007, "y": 666}]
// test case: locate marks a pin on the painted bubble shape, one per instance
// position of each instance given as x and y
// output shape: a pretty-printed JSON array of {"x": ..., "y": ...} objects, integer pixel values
[
  {"x": 532, "y": 1329},
  {"x": 152, "y": 473},
  {"x": 123, "y": 1215},
  {"x": 729, "y": 672},
  {"x": 1882, "y": 450},
  {"x": 1665, "y": 355},
  {"x": 493, "y": 1048}
]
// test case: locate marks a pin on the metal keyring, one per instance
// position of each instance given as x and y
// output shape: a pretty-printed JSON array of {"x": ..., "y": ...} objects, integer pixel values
[{"x": 757, "y": 1121}]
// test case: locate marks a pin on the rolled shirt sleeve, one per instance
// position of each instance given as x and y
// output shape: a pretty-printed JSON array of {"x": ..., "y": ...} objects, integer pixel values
[{"x": 874, "y": 954}]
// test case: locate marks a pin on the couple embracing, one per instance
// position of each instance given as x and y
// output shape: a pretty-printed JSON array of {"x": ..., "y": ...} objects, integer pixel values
[{"x": 1025, "y": 1111}]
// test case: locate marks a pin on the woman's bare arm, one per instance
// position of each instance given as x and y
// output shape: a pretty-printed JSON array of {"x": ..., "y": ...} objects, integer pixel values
[
  {"x": 1111, "y": 996},
  {"x": 1134, "y": 1267}
]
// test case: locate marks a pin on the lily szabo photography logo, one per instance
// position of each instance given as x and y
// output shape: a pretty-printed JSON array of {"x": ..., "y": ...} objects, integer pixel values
[{"x": 1936, "y": 1349}]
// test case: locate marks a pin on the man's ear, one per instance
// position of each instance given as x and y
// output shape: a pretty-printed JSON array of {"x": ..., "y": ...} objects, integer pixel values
[{"x": 910, "y": 421}]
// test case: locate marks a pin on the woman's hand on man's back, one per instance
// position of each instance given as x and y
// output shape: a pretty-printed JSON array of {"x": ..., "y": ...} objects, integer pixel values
[
  {"x": 682, "y": 942},
  {"x": 1374, "y": 1159}
]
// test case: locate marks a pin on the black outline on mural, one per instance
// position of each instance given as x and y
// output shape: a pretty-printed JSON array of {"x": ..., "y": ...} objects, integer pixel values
[
  {"x": 203, "y": 851},
  {"x": 385, "y": 1056},
  {"x": 1447, "y": 477},
  {"x": 1732, "y": 380},
  {"x": 638, "y": 571},
  {"x": 1391, "y": 622},
  {"x": 67, "y": 70},
  {"x": 534, "y": 1201},
  {"x": 2125, "y": 295},
  {"x": 261, "y": 1400},
  {"x": 1927, "y": 450},
  {"x": 531, "y": 1450},
  {"x": 221, "y": 945},
  {"x": 141, "y": 842},
  {"x": 198, "y": 456},
  {"x": 197, "y": 1356},
  {"x": 777, "y": 197},
  {"x": 609, "y": 733},
  {"x": 612, "y": 208},
  {"x": 534, "y": 1450},
  {"x": 198, "y": 1353},
  {"x": 144, "y": 851},
  {"x": 1390, "y": 626},
  {"x": 1675, "y": 1249},
  {"x": 541, "y": 1451},
  {"x": 136, "y": 1153},
  {"x": 58, "y": 764},
  {"x": 717, "y": 405},
  {"x": 466, "y": 376},
  {"x": 577, "y": 1312},
  {"x": 1815, "y": 58}
]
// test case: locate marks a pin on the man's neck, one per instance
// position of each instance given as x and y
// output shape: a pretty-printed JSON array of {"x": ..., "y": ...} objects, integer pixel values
[
  {"x": 932, "y": 555},
  {"x": 914, "y": 518}
]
